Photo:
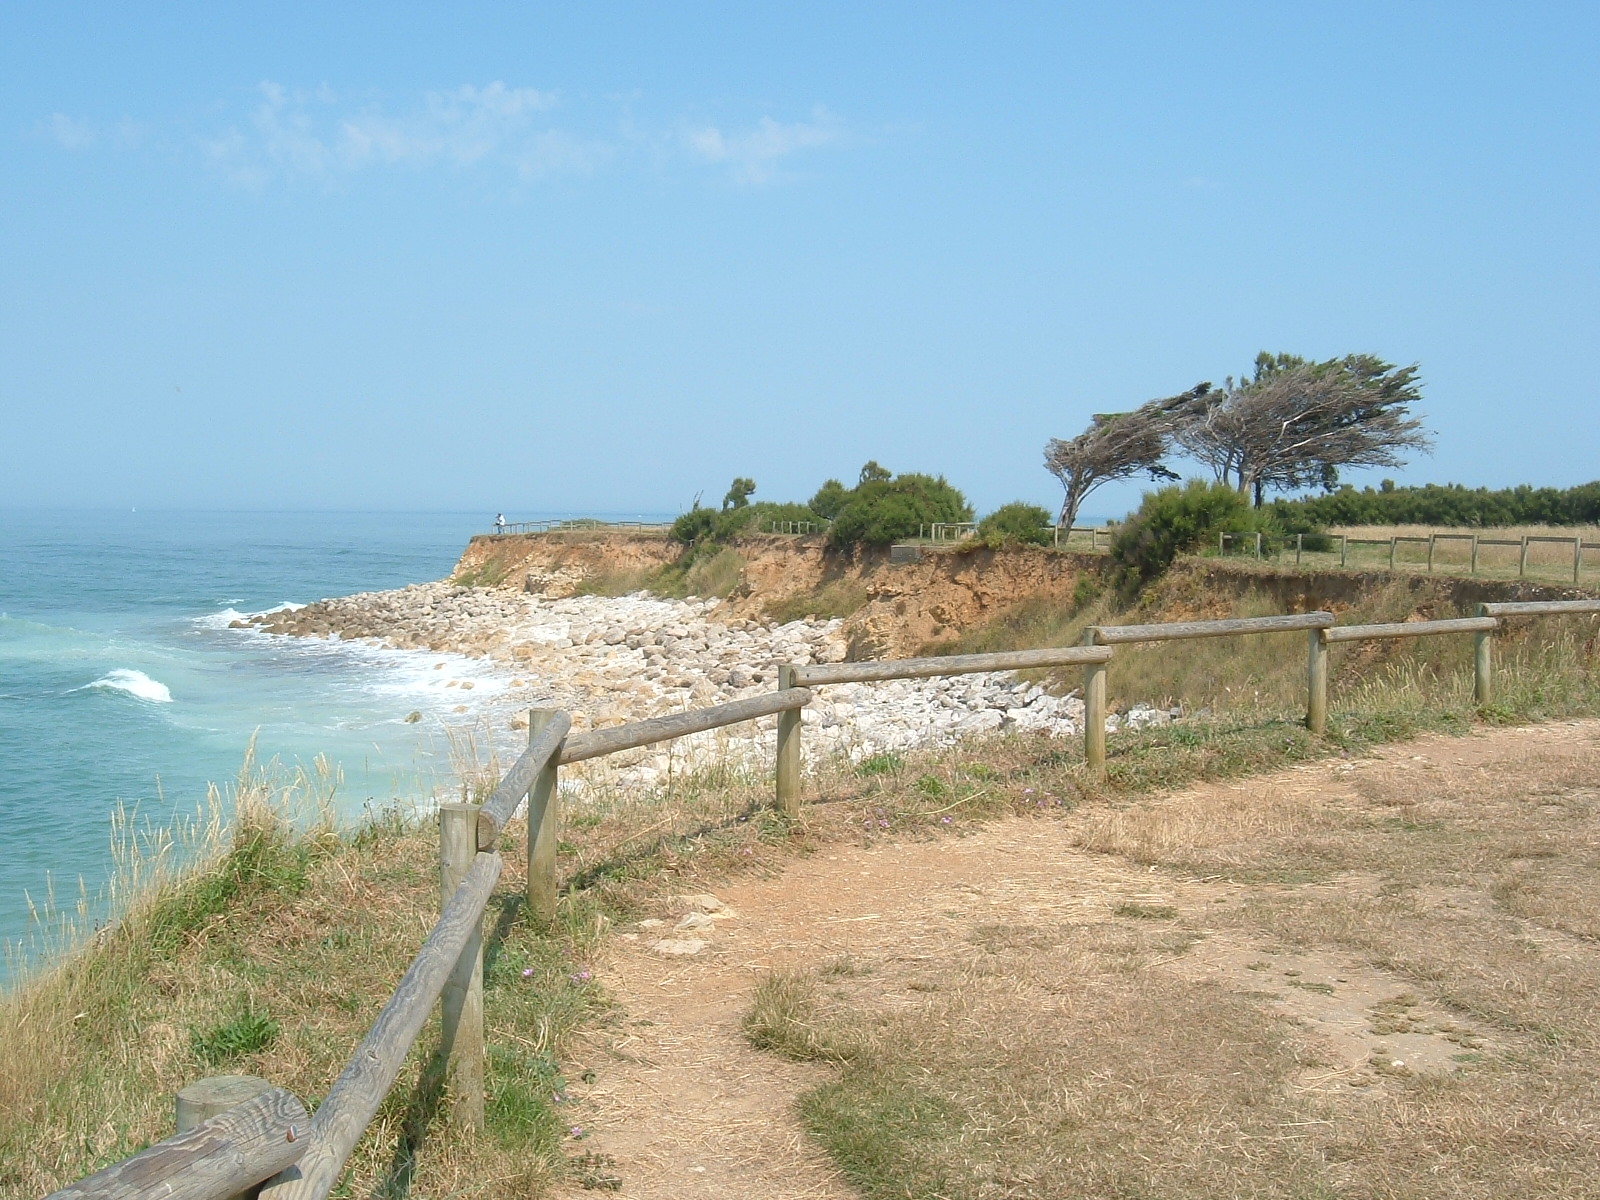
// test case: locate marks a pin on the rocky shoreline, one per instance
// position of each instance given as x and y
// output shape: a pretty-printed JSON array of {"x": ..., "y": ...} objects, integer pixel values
[{"x": 609, "y": 660}]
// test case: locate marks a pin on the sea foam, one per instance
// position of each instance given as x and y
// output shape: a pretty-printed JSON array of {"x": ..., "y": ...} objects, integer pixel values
[{"x": 136, "y": 684}]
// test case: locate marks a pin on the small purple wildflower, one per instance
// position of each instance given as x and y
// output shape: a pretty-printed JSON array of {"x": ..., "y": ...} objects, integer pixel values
[
  {"x": 944, "y": 820},
  {"x": 576, "y": 1131},
  {"x": 527, "y": 972},
  {"x": 579, "y": 977}
]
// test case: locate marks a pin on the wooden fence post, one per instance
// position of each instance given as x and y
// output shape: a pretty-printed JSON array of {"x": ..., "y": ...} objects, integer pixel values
[
  {"x": 544, "y": 827},
  {"x": 1299, "y": 541},
  {"x": 1522, "y": 559},
  {"x": 1430, "y": 552},
  {"x": 1473, "y": 570},
  {"x": 1094, "y": 711},
  {"x": 1392, "y": 542},
  {"x": 1577, "y": 558},
  {"x": 1258, "y": 545},
  {"x": 1482, "y": 664},
  {"x": 207, "y": 1098},
  {"x": 461, "y": 1002},
  {"x": 787, "y": 769},
  {"x": 1317, "y": 682},
  {"x": 1344, "y": 549}
]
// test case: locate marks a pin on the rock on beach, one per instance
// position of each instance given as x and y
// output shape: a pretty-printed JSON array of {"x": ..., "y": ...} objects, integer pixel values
[{"x": 609, "y": 660}]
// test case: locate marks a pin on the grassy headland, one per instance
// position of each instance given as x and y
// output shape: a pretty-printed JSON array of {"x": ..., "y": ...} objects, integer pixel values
[{"x": 274, "y": 950}]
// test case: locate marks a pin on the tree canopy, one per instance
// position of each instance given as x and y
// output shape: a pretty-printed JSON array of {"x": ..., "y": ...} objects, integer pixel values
[
  {"x": 1120, "y": 446},
  {"x": 1293, "y": 424}
]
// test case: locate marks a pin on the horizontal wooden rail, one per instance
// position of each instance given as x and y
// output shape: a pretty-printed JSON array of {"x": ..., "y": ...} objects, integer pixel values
[
  {"x": 497, "y": 810},
  {"x": 1401, "y": 629},
  {"x": 1538, "y": 608},
  {"x": 228, "y": 1154},
  {"x": 659, "y": 729},
  {"x": 1111, "y": 635},
  {"x": 950, "y": 664},
  {"x": 355, "y": 1096}
]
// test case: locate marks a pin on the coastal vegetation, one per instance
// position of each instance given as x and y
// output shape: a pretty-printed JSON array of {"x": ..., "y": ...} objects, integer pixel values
[
  {"x": 272, "y": 951},
  {"x": 1449, "y": 505},
  {"x": 1289, "y": 425}
]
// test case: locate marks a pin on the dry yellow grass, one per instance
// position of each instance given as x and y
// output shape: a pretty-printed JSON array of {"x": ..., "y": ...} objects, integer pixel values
[{"x": 1428, "y": 910}]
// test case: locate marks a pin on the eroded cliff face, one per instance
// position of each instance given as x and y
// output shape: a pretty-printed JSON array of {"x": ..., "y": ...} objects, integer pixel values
[{"x": 894, "y": 608}]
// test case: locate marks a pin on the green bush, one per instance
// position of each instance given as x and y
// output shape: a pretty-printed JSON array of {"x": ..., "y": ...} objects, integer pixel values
[
  {"x": 700, "y": 525},
  {"x": 878, "y": 511},
  {"x": 830, "y": 498},
  {"x": 694, "y": 525},
  {"x": 1178, "y": 519},
  {"x": 1014, "y": 524},
  {"x": 1449, "y": 504}
]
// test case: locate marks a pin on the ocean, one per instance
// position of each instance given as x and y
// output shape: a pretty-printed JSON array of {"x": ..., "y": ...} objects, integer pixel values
[{"x": 121, "y": 683}]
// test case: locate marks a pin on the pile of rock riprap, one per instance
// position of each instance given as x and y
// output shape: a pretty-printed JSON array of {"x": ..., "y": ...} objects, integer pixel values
[{"x": 608, "y": 660}]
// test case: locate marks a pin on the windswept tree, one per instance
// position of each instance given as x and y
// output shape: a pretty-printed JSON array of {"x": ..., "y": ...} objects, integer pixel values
[
  {"x": 1295, "y": 424},
  {"x": 739, "y": 494},
  {"x": 1120, "y": 446}
]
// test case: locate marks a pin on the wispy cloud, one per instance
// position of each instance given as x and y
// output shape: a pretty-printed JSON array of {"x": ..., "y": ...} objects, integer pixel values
[
  {"x": 324, "y": 136},
  {"x": 70, "y": 132},
  {"x": 755, "y": 155},
  {"x": 316, "y": 134}
]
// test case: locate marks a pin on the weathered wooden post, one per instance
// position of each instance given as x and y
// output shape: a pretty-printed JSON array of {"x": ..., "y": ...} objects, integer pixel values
[
  {"x": 1094, "y": 711},
  {"x": 1473, "y": 569},
  {"x": 543, "y": 826},
  {"x": 1258, "y": 545},
  {"x": 787, "y": 770},
  {"x": 1317, "y": 681},
  {"x": 1522, "y": 559},
  {"x": 1577, "y": 558},
  {"x": 1344, "y": 549},
  {"x": 1299, "y": 542},
  {"x": 207, "y": 1098},
  {"x": 461, "y": 1002},
  {"x": 1430, "y": 552},
  {"x": 227, "y": 1152},
  {"x": 1392, "y": 542},
  {"x": 1482, "y": 663}
]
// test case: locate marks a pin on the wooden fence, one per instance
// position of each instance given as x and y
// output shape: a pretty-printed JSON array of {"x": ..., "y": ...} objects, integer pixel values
[
  {"x": 269, "y": 1141},
  {"x": 581, "y": 525},
  {"x": 1475, "y": 542}
]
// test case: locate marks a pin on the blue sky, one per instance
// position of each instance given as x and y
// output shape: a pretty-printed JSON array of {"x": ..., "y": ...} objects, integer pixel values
[{"x": 606, "y": 256}]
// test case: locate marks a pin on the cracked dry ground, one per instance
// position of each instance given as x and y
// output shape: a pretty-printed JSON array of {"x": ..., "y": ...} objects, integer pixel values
[{"x": 683, "y": 1106}]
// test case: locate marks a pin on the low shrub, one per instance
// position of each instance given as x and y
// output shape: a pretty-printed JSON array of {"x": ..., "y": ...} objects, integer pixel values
[
  {"x": 1015, "y": 524},
  {"x": 1175, "y": 520},
  {"x": 878, "y": 511}
]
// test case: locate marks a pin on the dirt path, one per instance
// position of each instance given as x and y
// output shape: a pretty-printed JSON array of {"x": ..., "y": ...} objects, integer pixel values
[{"x": 685, "y": 1108}]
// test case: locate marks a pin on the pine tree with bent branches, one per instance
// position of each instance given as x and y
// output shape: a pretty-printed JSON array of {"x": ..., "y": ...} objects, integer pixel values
[
  {"x": 1120, "y": 446},
  {"x": 1294, "y": 424}
]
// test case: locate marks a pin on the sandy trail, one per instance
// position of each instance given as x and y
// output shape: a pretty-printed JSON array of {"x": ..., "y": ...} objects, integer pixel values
[{"x": 686, "y": 1108}]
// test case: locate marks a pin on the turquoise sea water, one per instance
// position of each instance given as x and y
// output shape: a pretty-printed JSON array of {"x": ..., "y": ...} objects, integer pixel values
[{"x": 120, "y": 681}]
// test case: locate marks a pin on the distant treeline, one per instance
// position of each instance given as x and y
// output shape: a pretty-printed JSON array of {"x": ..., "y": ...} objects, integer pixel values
[{"x": 1448, "y": 504}]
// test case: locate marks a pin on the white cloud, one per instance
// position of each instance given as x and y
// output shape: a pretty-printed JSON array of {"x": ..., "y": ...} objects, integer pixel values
[
  {"x": 71, "y": 133},
  {"x": 753, "y": 156},
  {"x": 319, "y": 134},
  {"x": 313, "y": 134}
]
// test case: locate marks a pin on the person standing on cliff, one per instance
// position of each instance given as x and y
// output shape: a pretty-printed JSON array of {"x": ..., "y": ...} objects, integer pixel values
[{"x": 499, "y": 522}]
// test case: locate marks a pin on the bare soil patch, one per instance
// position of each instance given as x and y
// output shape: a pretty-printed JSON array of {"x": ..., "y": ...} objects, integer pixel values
[{"x": 1366, "y": 976}]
